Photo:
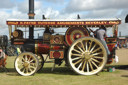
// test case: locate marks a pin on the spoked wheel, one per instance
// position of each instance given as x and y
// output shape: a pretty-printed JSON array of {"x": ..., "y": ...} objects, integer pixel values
[
  {"x": 26, "y": 64},
  {"x": 41, "y": 61},
  {"x": 87, "y": 56}
]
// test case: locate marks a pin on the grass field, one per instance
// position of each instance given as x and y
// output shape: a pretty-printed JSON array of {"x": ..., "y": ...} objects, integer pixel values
[{"x": 64, "y": 76}]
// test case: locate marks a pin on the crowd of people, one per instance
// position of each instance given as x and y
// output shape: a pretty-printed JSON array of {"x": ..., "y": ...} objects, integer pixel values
[{"x": 119, "y": 45}]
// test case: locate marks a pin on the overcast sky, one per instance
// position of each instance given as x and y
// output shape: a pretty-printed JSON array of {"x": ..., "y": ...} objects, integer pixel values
[{"x": 64, "y": 9}]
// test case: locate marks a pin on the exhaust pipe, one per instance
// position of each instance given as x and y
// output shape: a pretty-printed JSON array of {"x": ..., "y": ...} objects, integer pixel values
[{"x": 31, "y": 15}]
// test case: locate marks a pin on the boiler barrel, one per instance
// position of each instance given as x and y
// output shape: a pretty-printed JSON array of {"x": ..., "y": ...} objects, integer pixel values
[{"x": 37, "y": 47}]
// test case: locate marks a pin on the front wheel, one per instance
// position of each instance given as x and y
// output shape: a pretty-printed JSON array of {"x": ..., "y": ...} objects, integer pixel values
[
  {"x": 26, "y": 64},
  {"x": 87, "y": 56}
]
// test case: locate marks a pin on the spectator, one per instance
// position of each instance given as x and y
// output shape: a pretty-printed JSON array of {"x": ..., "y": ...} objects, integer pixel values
[{"x": 101, "y": 34}]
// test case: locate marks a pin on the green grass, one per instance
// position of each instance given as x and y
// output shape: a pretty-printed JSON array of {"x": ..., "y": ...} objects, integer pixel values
[{"x": 61, "y": 76}]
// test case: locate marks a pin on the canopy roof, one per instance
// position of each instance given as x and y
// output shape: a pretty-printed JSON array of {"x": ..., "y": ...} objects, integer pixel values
[{"x": 64, "y": 22}]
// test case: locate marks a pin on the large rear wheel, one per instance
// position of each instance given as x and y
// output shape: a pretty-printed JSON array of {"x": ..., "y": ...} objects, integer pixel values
[
  {"x": 87, "y": 56},
  {"x": 26, "y": 64}
]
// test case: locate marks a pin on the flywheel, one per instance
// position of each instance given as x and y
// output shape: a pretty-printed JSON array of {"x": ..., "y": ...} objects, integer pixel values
[{"x": 74, "y": 33}]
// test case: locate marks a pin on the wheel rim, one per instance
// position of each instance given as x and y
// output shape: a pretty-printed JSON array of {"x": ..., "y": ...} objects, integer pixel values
[
  {"x": 41, "y": 61},
  {"x": 87, "y": 56},
  {"x": 26, "y": 64}
]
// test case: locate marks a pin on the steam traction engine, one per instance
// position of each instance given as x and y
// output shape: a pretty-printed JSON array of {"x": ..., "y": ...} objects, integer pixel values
[{"x": 85, "y": 54}]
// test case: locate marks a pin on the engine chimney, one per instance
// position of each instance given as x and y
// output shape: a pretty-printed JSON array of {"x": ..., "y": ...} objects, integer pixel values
[
  {"x": 31, "y": 15},
  {"x": 126, "y": 19}
]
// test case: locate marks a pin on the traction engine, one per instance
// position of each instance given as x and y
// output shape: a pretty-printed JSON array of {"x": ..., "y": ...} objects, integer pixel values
[{"x": 85, "y": 54}]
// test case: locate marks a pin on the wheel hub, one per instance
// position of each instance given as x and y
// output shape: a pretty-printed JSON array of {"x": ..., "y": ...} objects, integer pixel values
[
  {"x": 26, "y": 64},
  {"x": 86, "y": 56}
]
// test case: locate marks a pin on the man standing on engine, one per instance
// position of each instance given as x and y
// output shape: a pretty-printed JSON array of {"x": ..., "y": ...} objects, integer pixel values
[{"x": 101, "y": 34}]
